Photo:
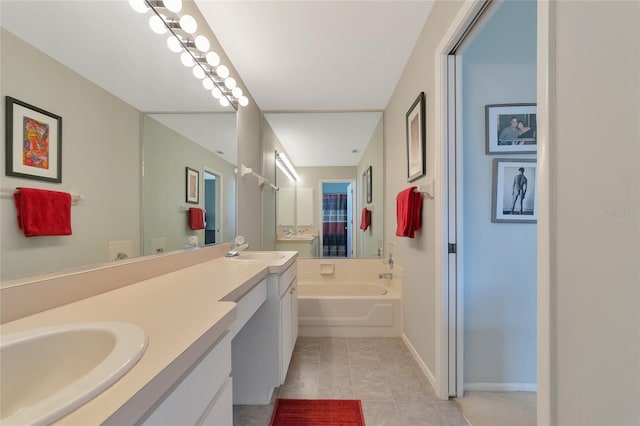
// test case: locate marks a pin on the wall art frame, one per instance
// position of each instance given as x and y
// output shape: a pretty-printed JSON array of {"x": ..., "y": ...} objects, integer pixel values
[
  {"x": 33, "y": 146},
  {"x": 416, "y": 139},
  {"x": 511, "y": 129}
]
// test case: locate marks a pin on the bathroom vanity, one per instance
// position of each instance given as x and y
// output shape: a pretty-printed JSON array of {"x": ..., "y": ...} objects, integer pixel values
[
  {"x": 306, "y": 244},
  {"x": 199, "y": 322}
]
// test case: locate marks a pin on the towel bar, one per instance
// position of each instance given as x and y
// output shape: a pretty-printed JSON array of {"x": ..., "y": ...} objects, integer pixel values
[{"x": 8, "y": 193}]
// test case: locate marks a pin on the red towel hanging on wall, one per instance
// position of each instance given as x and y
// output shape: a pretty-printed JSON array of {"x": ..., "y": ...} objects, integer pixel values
[
  {"x": 196, "y": 218},
  {"x": 365, "y": 219},
  {"x": 408, "y": 212},
  {"x": 43, "y": 213}
]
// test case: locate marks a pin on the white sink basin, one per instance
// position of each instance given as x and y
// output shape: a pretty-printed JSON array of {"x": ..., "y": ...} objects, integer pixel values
[
  {"x": 261, "y": 256},
  {"x": 46, "y": 373}
]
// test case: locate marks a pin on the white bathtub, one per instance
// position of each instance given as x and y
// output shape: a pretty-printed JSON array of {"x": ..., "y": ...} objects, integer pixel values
[{"x": 348, "y": 309}]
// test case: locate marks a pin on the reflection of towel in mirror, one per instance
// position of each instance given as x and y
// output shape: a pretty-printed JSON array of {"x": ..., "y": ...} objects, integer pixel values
[
  {"x": 408, "y": 212},
  {"x": 42, "y": 212},
  {"x": 196, "y": 218},
  {"x": 365, "y": 219}
]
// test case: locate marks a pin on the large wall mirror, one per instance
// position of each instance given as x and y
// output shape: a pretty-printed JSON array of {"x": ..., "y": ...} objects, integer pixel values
[
  {"x": 339, "y": 168},
  {"x": 133, "y": 119}
]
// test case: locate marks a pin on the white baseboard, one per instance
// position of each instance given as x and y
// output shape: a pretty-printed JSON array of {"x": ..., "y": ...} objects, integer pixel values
[
  {"x": 501, "y": 387},
  {"x": 421, "y": 364}
]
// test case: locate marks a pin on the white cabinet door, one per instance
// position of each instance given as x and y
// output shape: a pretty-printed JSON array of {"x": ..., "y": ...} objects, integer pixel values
[
  {"x": 304, "y": 206},
  {"x": 286, "y": 206},
  {"x": 286, "y": 345},
  {"x": 294, "y": 313}
]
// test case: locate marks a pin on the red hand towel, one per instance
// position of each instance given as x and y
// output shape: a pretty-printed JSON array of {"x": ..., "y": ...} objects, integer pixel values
[
  {"x": 196, "y": 218},
  {"x": 42, "y": 212},
  {"x": 408, "y": 212},
  {"x": 365, "y": 219}
]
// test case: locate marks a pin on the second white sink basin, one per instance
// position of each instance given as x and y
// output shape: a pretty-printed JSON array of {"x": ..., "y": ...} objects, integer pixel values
[
  {"x": 46, "y": 373},
  {"x": 263, "y": 256}
]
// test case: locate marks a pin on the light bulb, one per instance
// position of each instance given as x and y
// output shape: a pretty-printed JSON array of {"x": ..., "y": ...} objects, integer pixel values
[
  {"x": 222, "y": 71},
  {"x": 198, "y": 72},
  {"x": 202, "y": 43},
  {"x": 224, "y": 102},
  {"x": 157, "y": 24},
  {"x": 187, "y": 59},
  {"x": 244, "y": 101},
  {"x": 216, "y": 93},
  {"x": 236, "y": 92},
  {"x": 230, "y": 82},
  {"x": 188, "y": 24},
  {"x": 139, "y": 6},
  {"x": 174, "y": 44},
  {"x": 174, "y": 6},
  {"x": 213, "y": 59},
  {"x": 208, "y": 84}
]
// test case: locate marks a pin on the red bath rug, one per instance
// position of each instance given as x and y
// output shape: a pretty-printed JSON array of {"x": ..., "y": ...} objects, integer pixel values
[{"x": 317, "y": 412}]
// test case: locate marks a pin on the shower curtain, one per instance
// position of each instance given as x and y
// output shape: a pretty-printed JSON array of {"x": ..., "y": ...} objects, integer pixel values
[{"x": 334, "y": 225}]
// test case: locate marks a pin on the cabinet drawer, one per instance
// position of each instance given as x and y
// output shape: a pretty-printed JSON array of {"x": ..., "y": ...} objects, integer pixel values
[
  {"x": 187, "y": 402},
  {"x": 286, "y": 278},
  {"x": 220, "y": 411},
  {"x": 248, "y": 305}
]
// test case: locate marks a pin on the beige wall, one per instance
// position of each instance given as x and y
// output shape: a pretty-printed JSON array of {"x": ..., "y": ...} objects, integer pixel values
[
  {"x": 595, "y": 214},
  {"x": 310, "y": 178},
  {"x": 100, "y": 160},
  {"x": 166, "y": 154},
  {"x": 368, "y": 242},
  {"x": 249, "y": 193},
  {"x": 416, "y": 256},
  {"x": 270, "y": 144}
]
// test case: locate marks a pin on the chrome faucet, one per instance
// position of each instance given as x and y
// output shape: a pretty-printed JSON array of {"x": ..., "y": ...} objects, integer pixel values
[
  {"x": 383, "y": 275},
  {"x": 237, "y": 247},
  {"x": 121, "y": 256},
  {"x": 389, "y": 261}
]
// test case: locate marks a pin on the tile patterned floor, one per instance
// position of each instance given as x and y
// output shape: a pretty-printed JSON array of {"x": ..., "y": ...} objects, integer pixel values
[{"x": 378, "y": 371}]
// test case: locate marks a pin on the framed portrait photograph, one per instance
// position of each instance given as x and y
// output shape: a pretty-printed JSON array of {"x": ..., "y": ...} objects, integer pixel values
[
  {"x": 33, "y": 142},
  {"x": 514, "y": 191},
  {"x": 193, "y": 186},
  {"x": 416, "y": 139},
  {"x": 510, "y": 129}
]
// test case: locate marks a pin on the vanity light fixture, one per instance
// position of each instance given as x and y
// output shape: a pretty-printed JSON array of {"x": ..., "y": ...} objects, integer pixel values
[
  {"x": 286, "y": 167},
  {"x": 194, "y": 49}
]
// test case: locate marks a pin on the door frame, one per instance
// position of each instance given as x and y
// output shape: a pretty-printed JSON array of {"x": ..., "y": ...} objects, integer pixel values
[
  {"x": 463, "y": 21},
  {"x": 219, "y": 200},
  {"x": 350, "y": 223}
]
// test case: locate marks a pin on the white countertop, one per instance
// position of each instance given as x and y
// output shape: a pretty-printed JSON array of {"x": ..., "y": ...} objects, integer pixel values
[
  {"x": 180, "y": 312},
  {"x": 298, "y": 238}
]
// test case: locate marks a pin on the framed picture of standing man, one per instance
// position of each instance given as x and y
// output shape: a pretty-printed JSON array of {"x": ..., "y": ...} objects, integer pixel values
[
  {"x": 511, "y": 129},
  {"x": 514, "y": 191}
]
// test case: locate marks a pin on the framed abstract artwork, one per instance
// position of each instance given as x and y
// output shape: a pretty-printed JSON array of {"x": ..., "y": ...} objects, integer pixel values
[{"x": 33, "y": 142}]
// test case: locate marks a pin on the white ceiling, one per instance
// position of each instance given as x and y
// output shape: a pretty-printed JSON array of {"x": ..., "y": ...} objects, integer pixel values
[
  {"x": 215, "y": 132},
  {"x": 111, "y": 45},
  {"x": 324, "y": 139},
  {"x": 318, "y": 55},
  {"x": 291, "y": 55}
]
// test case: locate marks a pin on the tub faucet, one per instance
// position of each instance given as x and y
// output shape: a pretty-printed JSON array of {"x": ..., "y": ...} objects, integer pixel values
[{"x": 383, "y": 275}]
